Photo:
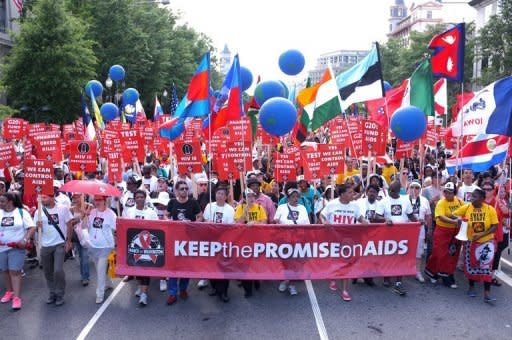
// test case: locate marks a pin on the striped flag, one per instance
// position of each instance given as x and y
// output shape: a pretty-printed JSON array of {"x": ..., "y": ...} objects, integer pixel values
[
  {"x": 174, "y": 100},
  {"x": 158, "y": 110},
  {"x": 89, "y": 131},
  {"x": 97, "y": 114},
  {"x": 19, "y": 5}
]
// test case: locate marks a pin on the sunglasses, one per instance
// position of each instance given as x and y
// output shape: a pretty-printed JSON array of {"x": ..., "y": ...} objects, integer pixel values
[{"x": 183, "y": 189}]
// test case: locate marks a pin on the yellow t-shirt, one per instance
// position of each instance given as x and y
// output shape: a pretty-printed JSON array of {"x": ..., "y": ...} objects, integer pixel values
[
  {"x": 446, "y": 208},
  {"x": 266, "y": 187},
  {"x": 389, "y": 171},
  {"x": 255, "y": 214},
  {"x": 479, "y": 220},
  {"x": 342, "y": 176}
]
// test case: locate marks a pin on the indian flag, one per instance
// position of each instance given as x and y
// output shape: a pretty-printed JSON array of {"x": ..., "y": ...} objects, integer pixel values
[{"x": 320, "y": 102}]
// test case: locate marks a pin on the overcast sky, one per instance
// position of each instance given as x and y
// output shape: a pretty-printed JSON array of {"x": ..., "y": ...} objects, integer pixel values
[{"x": 261, "y": 30}]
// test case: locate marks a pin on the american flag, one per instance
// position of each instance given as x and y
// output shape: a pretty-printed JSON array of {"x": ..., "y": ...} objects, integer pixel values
[
  {"x": 174, "y": 100},
  {"x": 19, "y": 5}
]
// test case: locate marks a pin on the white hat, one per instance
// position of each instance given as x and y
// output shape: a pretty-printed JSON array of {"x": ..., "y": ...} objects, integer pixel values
[
  {"x": 163, "y": 198},
  {"x": 202, "y": 179},
  {"x": 301, "y": 178},
  {"x": 449, "y": 186},
  {"x": 249, "y": 191}
]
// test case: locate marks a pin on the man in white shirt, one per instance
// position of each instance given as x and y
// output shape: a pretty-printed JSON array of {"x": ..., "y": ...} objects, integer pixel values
[
  {"x": 466, "y": 189},
  {"x": 396, "y": 209},
  {"x": 369, "y": 204},
  {"x": 148, "y": 180},
  {"x": 60, "y": 198}
]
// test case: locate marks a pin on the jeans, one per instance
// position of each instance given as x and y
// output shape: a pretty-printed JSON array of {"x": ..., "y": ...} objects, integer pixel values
[
  {"x": 172, "y": 285},
  {"x": 84, "y": 261},
  {"x": 52, "y": 259}
]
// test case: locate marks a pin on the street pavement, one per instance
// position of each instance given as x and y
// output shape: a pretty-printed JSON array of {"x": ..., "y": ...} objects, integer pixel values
[{"x": 427, "y": 312}]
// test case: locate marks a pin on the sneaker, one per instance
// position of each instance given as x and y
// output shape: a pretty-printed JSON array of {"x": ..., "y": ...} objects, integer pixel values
[
  {"x": 138, "y": 292},
  {"x": 332, "y": 285},
  {"x": 23, "y": 274},
  {"x": 398, "y": 289},
  {"x": 163, "y": 285},
  {"x": 495, "y": 282},
  {"x": 143, "y": 300},
  {"x": 433, "y": 281},
  {"x": 184, "y": 295},
  {"x": 99, "y": 300},
  {"x": 85, "y": 283},
  {"x": 292, "y": 290},
  {"x": 420, "y": 277},
  {"x": 171, "y": 299},
  {"x": 282, "y": 286},
  {"x": 51, "y": 299},
  {"x": 7, "y": 296},
  {"x": 16, "y": 303},
  {"x": 346, "y": 296},
  {"x": 454, "y": 286},
  {"x": 201, "y": 284},
  {"x": 487, "y": 299},
  {"x": 59, "y": 301}
]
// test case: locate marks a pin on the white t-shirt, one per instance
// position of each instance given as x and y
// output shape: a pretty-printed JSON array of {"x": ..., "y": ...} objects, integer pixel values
[
  {"x": 50, "y": 236},
  {"x": 368, "y": 209},
  {"x": 395, "y": 209},
  {"x": 146, "y": 214},
  {"x": 216, "y": 214},
  {"x": 150, "y": 184},
  {"x": 13, "y": 226},
  {"x": 421, "y": 209},
  {"x": 336, "y": 212},
  {"x": 64, "y": 200},
  {"x": 284, "y": 215},
  {"x": 127, "y": 200},
  {"x": 465, "y": 191},
  {"x": 101, "y": 226}
]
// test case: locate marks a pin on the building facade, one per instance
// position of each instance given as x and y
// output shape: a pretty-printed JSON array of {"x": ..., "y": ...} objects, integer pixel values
[
  {"x": 427, "y": 13},
  {"x": 8, "y": 14},
  {"x": 340, "y": 60},
  {"x": 225, "y": 60}
]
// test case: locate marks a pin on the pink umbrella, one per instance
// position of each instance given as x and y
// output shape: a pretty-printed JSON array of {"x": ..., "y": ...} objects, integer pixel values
[{"x": 91, "y": 188}]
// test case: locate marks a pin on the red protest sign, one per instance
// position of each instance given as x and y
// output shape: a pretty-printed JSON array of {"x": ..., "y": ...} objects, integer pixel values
[
  {"x": 161, "y": 146},
  {"x": 132, "y": 145},
  {"x": 8, "y": 155},
  {"x": 239, "y": 130},
  {"x": 82, "y": 156},
  {"x": 232, "y": 159},
  {"x": 48, "y": 145},
  {"x": 114, "y": 169},
  {"x": 193, "y": 131},
  {"x": 403, "y": 149},
  {"x": 70, "y": 133},
  {"x": 188, "y": 157},
  {"x": 327, "y": 159},
  {"x": 374, "y": 138},
  {"x": 27, "y": 149},
  {"x": 110, "y": 142},
  {"x": 285, "y": 166},
  {"x": 35, "y": 128},
  {"x": 265, "y": 137},
  {"x": 147, "y": 133},
  {"x": 14, "y": 128},
  {"x": 38, "y": 176},
  {"x": 338, "y": 131}
]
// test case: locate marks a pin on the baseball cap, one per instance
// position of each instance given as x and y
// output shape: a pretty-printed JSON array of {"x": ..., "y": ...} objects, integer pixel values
[
  {"x": 449, "y": 186},
  {"x": 301, "y": 178},
  {"x": 163, "y": 199},
  {"x": 415, "y": 183},
  {"x": 249, "y": 191},
  {"x": 291, "y": 191}
]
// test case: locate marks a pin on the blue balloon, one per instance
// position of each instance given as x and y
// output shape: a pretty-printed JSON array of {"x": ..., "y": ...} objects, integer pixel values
[
  {"x": 246, "y": 78},
  {"x": 109, "y": 111},
  {"x": 278, "y": 116},
  {"x": 408, "y": 123},
  {"x": 387, "y": 86},
  {"x": 95, "y": 86},
  {"x": 130, "y": 96},
  {"x": 268, "y": 89},
  {"x": 292, "y": 62},
  {"x": 116, "y": 72}
]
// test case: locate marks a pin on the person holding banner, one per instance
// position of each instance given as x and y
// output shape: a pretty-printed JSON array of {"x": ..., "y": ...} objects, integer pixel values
[
  {"x": 479, "y": 251},
  {"x": 396, "y": 208},
  {"x": 143, "y": 212},
  {"x": 445, "y": 247},
  {"x": 342, "y": 211},
  {"x": 16, "y": 229},
  {"x": 181, "y": 208},
  {"x": 250, "y": 212},
  {"x": 291, "y": 213},
  {"x": 133, "y": 183},
  {"x": 261, "y": 199},
  {"x": 220, "y": 212}
]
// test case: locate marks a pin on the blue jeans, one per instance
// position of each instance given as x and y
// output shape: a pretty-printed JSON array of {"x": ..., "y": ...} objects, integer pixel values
[
  {"x": 172, "y": 285},
  {"x": 84, "y": 261}
]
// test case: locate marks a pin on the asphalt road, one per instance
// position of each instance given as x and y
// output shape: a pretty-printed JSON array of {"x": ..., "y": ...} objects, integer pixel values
[{"x": 427, "y": 312}]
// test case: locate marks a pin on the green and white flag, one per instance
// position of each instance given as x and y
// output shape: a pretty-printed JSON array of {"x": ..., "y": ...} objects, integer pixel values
[{"x": 420, "y": 89}]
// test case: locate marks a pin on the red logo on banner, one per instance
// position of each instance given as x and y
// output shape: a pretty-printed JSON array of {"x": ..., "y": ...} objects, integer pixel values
[
  {"x": 285, "y": 166},
  {"x": 188, "y": 157},
  {"x": 132, "y": 145},
  {"x": 374, "y": 138},
  {"x": 8, "y": 155},
  {"x": 38, "y": 176},
  {"x": 14, "y": 128},
  {"x": 327, "y": 159},
  {"x": 265, "y": 252},
  {"x": 82, "y": 156},
  {"x": 48, "y": 145}
]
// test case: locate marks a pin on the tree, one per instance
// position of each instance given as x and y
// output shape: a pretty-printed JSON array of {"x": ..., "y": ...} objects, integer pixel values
[
  {"x": 495, "y": 45},
  {"x": 50, "y": 63}
]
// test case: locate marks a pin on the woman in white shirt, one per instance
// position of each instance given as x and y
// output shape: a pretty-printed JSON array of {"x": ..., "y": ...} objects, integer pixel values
[
  {"x": 101, "y": 225},
  {"x": 291, "y": 212},
  {"x": 220, "y": 212},
  {"x": 16, "y": 228}
]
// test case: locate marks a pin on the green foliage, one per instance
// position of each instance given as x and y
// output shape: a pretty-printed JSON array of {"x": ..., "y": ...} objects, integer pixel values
[
  {"x": 7, "y": 111},
  {"x": 50, "y": 63},
  {"x": 495, "y": 45}
]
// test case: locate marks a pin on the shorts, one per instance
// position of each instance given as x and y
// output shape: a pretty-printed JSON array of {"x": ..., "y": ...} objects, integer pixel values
[
  {"x": 12, "y": 260},
  {"x": 421, "y": 242}
]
